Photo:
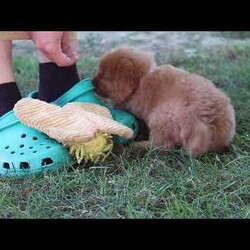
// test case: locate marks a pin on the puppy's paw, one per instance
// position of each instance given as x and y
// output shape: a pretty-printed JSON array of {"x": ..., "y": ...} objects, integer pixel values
[{"x": 141, "y": 145}]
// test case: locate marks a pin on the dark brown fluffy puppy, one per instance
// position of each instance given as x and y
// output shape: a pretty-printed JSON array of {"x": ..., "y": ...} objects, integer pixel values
[{"x": 179, "y": 108}]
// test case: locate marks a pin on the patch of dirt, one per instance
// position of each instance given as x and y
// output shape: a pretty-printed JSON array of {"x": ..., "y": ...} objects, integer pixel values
[{"x": 174, "y": 45}]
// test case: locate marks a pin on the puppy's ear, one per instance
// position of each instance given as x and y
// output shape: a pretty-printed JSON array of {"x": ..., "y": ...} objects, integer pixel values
[
  {"x": 123, "y": 69},
  {"x": 123, "y": 89}
]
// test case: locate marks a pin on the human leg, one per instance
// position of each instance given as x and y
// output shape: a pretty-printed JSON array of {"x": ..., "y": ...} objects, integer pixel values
[
  {"x": 54, "y": 80},
  {"x": 9, "y": 92}
]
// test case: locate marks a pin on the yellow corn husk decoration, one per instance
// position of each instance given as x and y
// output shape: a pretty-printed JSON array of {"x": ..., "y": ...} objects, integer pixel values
[{"x": 86, "y": 129}]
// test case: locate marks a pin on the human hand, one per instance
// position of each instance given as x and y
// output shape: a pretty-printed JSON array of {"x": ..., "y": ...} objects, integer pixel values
[{"x": 55, "y": 46}]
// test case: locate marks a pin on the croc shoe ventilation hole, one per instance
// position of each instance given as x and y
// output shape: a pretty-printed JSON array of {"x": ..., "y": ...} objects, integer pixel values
[{"x": 25, "y": 165}]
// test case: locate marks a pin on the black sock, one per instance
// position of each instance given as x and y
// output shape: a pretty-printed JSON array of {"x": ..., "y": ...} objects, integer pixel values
[
  {"x": 9, "y": 96},
  {"x": 55, "y": 81}
]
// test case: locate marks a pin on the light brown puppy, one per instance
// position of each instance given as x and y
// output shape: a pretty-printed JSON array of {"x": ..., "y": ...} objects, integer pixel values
[{"x": 179, "y": 108}]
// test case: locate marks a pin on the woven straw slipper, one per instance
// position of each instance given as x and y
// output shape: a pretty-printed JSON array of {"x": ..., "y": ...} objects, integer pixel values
[
  {"x": 74, "y": 125},
  {"x": 84, "y": 92}
]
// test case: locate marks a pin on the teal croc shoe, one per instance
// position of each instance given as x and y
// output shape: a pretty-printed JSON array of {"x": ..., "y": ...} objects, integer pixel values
[{"x": 25, "y": 151}]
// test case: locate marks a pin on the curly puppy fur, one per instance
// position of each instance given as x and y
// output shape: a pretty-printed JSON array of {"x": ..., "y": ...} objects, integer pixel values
[{"x": 180, "y": 108}]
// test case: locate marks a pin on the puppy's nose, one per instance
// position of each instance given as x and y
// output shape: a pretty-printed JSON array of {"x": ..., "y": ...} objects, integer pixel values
[
  {"x": 94, "y": 80},
  {"x": 95, "y": 83}
]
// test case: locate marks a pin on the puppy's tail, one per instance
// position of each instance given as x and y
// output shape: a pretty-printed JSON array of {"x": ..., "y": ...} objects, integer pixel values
[
  {"x": 225, "y": 130},
  {"x": 200, "y": 139},
  {"x": 214, "y": 137}
]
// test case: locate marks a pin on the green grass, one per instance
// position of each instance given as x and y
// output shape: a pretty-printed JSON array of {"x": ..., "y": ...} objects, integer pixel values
[{"x": 152, "y": 184}]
